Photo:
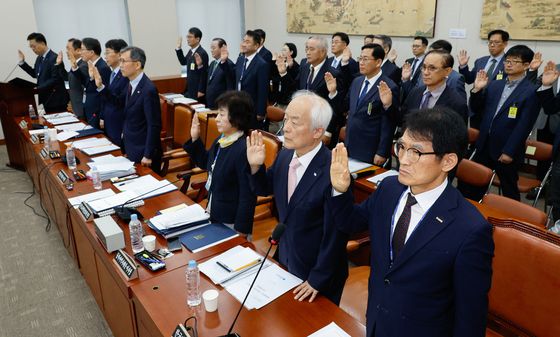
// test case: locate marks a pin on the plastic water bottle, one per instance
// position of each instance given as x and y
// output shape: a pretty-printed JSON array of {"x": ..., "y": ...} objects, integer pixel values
[
  {"x": 193, "y": 283},
  {"x": 135, "y": 228},
  {"x": 46, "y": 140},
  {"x": 32, "y": 113},
  {"x": 71, "y": 158},
  {"x": 96, "y": 178}
]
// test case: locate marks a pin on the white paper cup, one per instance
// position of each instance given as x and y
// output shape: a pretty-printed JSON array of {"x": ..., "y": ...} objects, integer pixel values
[
  {"x": 210, "y": 298},
  {"x": 149, "y": 242}
]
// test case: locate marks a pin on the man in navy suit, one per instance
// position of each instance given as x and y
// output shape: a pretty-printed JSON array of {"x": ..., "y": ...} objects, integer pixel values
[
  {"x": 492, "y": 64},
  {"x": 142, "y": 124},
  {"x": 51, "y": 90},
  {"x": 75, "y": 87},
  {"x": 387, "y": 67},
  {"x": 431, "y": 250},
  {"x": 218, "y": 81},
  {"x": 419, "y": 46},
  {"x": 311, "y": 248},
  {"x": 91, "y": 51},
  {"x": 436, "y": 67},
  {"x": 196, "y": 75},
  {"x": 508, "y": 110},
  {"x": 114, "y": 95},
  {"x": 371, "y": 101},
  {"x": 339, "y": 42},
  {"x": 264, "y": 53},
  {"x": 250, "y": 74}
]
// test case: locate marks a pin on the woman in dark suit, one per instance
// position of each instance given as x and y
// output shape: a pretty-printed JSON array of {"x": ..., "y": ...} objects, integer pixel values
[{"x": 230, "y": 199}]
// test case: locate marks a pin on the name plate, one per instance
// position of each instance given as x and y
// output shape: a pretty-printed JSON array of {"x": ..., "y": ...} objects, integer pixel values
[
  {"x": 62, "y": 176},
  {"x": 35, "y": 139},
  {"x": 126, "y": 265},
  {"x": 85, "y": 211},
  {"x": 180, "y": 331},
  {"x": 23, "y": 124},
  {"x": 44, "y": 153}
]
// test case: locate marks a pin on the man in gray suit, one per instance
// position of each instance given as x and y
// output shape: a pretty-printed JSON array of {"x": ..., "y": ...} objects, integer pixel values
[{"x": 75, "y": 87}]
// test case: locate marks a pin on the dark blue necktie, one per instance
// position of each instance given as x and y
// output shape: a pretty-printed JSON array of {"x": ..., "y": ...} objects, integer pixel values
[
  {"x": 310, "y": 78},
  {"x": 39, "y": 65},
  {"x": 401, "y": 228},
  {"x": 363, "y": 93}
]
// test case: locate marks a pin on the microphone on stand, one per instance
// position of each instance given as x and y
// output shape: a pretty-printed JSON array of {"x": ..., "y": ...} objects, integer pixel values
[{"x": 274, "y": 239}]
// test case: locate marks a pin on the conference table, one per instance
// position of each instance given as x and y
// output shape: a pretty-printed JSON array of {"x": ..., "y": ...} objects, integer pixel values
[{"x": 155, "y": 302}]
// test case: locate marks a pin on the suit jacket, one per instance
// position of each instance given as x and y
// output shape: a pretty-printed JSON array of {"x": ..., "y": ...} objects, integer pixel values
[
  {"x": 392, "y": 71},
  {"x": 418, "y": 73},
  {"x": 369, "y": 128},
  {"x": 454, "y": 80},
  {"x": 349, "y": 71},
  {"x": 75, "y": 87},
  {"x": 438, "y": 285},
  {"x": 480, "y": 63},
  {"x": 218, "y": 83},
  {"x": 448, "y": 98},
  {"x": 196, "y": 78},
  {"x": 280, "y": 94},
  {"x": 254, "y": 81},
  {"x": 51, "y": 90},
  {"x": 505, "y": 133},
  {"x": 92, "y": 104},
  {"x": 551, "y": 106},
  {"x": 113, "y": 99},
  {"x": 233, "y": 200},
  {"x": 265, "y": 54},
  {"x": 311, "y": 248},
  {"x": 142, "y": 124}
]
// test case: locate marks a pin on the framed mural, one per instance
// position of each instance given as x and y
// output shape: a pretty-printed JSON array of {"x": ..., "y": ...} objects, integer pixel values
[
  {"x": 522, "y": 19},
  {"x": 362, "y": 17}
]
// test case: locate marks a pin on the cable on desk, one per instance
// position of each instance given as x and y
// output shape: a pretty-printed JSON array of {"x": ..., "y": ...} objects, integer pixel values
[{"x": 189, "y": 328}]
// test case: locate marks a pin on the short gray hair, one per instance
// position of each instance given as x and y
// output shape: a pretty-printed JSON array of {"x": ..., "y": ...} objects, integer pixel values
[
  {"x": 136, "y": 54},
  {"x": 323, "y": 43},
  {"x": 321, "y": 111}
]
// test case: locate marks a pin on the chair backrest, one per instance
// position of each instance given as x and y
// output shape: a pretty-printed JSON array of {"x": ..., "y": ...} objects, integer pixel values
[
  {"x": 342, "y": 134},
  {"x": 473, "y": 135},
  {"x": 355, "y": 292},
  {"x": 525, "y": 288},
  {"x": 211, "y": 129},
  {"x": 473, "y": 173},
  {"x": 272, "y": 145},
  {"x": 516, "y": 209},
  {"x": 182, "y": 124},
  {"x": 274, "y": 113},
  {"x": 538, "y": 150}
]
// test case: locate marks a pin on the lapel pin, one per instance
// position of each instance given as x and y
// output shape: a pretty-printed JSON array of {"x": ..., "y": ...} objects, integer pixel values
[
  {"x": 438, "y": 219},
  {"x": 314, "y": 174}
]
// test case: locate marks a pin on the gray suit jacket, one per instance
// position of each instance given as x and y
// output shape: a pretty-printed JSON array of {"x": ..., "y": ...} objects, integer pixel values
[{"x": 75, "y": 87}]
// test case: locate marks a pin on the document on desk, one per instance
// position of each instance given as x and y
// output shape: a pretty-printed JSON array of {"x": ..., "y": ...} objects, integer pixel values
[
  {"x": 64, "y": 120},
  {"x": 376, "y": 179},
  {"x": 331, "y": 330},
  {"x": 183, "y": 100},
  {"x": 90, "y": 142},
  {"x": 76, "y": 201},
  {"x": 58, "y": 115},
  {"x": 219, "y": 275},
  {"x": 189, "y": 214},
  {"x": 91, "y": 151},
  {"x": 146, "y": 184},
  {"x": 272, "y": 283},
  {"x": 65, "y": 135},
  {"x": 115, "y": 200},
  {"x": 73, "y": 127},
  {"x": 356, "y": 165}
]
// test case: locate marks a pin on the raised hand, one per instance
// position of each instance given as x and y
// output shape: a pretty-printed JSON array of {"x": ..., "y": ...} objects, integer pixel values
[
  {"x": 198, "y": 60},
  {"x": 481, "y": 80},
  {"x": 289, "y": 60},
  {"x": 331, "y": 82},
  {"x": 550, "y": 74},
  {"x": 255, "y": 151},
  {"x": 392, "y": 55},
  {"x": 224, "y": 54},
  {"x": 463, "y": 58},
  {"x": 340, "y": 174},
  {"x": 72, "y": 59},
  {"x": 536, "y": 61},
  {"x": 179, "y": 42},
  {"x": 346, "y": 55},
  {"x": 90, "y": 68},
  {"x": 96, "y": 76},
  {"x": 59, "y": 58},
  {"x": 385, "y": 94},
  {"x": 21, "y": 56},
  {"x": 195, "y": 127},
  {"x": 281, "y": 65},
  {"x": 406, "y": 71},
  {"x": 275, "y": 56}
]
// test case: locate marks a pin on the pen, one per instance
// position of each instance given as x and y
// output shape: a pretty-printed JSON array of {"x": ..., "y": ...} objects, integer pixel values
[{"x": 224, "y": 266}]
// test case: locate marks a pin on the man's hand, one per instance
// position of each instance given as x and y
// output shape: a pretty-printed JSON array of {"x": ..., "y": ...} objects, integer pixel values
[
  {"x": 463, "y": 58},
  {"x": 255, "y": 151},
  {"x": 550, "y": 74},
  {"x": 102, "y": 123},
  {"x": 481, "y": 81},
  {"x": 340, "y": 174},
  {"x": 72, "y": 59},
  {"x": 392, "y": 55},
  {"x": 303, "y": 291},
  {"x": 96, "y": 76},
  {"x": 59, "y": 58},
  {"x": 197, "y": 60},
  {"x": 331, "y": 83},
  {"x": 199, "y": 94},
  {"x": 385, "y": 95},
  {"x": 146, "y": 162},
  {"x": 21, "y": 56},
  {"x": 346, "y": 56},
  {"x": 179, "y": 42},
  {"x": 195, "y": 127},
  {"x": 505, "y": 159},
  {"x": 224, "y": 54},
  {"x": 378, "y": 160},
  {"x": 91, "y": 70},
  {"x": 536, "y": 62},
  {"x": 406, "y": 73}
]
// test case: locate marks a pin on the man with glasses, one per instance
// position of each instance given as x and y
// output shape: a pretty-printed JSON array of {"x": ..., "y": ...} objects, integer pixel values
[
  {"x": 419, "y": 46},
  {"x": 370, "y": 102},
  {"x": 431, "y": 250},
  {"x": 492, "y": 64},
  {"x": 196, "y": 74},
  {"x": 508, "y": 110}
]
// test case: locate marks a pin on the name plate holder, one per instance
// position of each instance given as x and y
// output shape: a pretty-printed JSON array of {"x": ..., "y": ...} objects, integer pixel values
[
  {"x": 126, "y": 265},
  {"x": 180, "y": 331},
  {"x": 86, "y": 211},
  {"x": 35, "y": 139},
  {"x": 62, "y": 176},
  {"x": 44, "y": 153},
  {"x": 23, "y": 124}
]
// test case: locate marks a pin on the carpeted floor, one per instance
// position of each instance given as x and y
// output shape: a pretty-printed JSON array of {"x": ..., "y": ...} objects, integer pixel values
[{"x": 41, "y": 290}]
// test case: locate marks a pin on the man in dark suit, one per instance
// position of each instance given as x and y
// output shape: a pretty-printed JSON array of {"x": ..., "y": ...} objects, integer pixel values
[
  {"x": 339, "y": 42},
  {"x": 264, "y": 53},
  {"x": 388, "y": 68},
  {"x": 431, "y": 250},
  {"x": 142, "y": 124},
  {"x": 250, "y": 74},
  {"x": 419, "y": 46},
  {"x": 51, "y": 90},
  {"x": 218, "y": 81},
  {"x": 436, "y": 66},
  {"x": 75, "y": 87},
  {"x": 196, "y": 75},
  {"x": 91, "y": 51},
  {"x": 508, "y": 111},
  {"x": 492, "y": 64},
  {"x": 371, "y": 101},
  {"x": 311, "y": 248}
]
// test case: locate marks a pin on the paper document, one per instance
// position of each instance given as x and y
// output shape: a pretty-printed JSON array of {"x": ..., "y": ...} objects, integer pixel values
[
  {"x": 64, "y": 120},
  {"x": 245, "y": 258},
  {"x": 219, "y": 275},
  {"x": 90, "y": 151},
  {"x": 37, "y": 132},
  {"x": 331, "y": 330},
  {"x": 76, "y": 201},
  {"x": 376, "y": 179},
  {"x": 65, "y": 135},
  {"x": 118, "y": 199},
  {"x": 90, "y": 142},
  {"x": 146, "y": 184},
  {"x": 356, "y": 165},
  {"x": 190, "y": 214},
  {"x": 183, "y": 100},
  {"x": 73, "y": 127},
  {"x": 59, "y": 115}
]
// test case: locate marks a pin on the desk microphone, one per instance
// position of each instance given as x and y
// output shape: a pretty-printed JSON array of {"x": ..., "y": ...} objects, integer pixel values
[{"x": 274, "y": 239}]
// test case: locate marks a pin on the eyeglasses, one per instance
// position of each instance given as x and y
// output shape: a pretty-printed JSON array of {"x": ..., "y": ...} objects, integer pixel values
[
  {"x": 416, "y": 46},
  {"x": 494, "y": 43},
  {"x": 365, "y": 59},
  {"x": 512, "y": 62},
  {"x": 412, "y": 153},
  {"x": 430, "y": 69},
  {"x": 125, "y": 61}
]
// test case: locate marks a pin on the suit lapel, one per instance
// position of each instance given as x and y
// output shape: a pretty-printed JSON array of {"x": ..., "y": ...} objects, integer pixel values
[
  {"x": 137, "y": 92},
  {"x": 371, "y": 94},
  {"x": 384, "y": 234},
  {"x": 319, "y": 78}
]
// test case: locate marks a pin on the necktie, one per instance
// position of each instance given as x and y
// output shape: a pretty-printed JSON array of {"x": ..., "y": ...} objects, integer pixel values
[
  {"x": 490, "y": 71},
  {"x": 334, "y": 63},
  {"x": 310, "y": 78},
  {"x": 292, "y": 176},
  {"x": 39, "y": 65},
  {"x": 212, "y": 69},
  {"x": 113, "y": 74},
  {"x": 414, "y": 66},
  {"x": 425, "y": 100},
  {"x": 363, "y": 93},
  {"x": 245, "y": 60},
  {"x": 401, "y": 228},
  {"x": 129, "y": 92}
]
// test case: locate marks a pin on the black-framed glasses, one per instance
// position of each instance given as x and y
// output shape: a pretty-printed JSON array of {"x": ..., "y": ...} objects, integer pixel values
[
  {"x": 512, "y": 62},
  {"x": 365, "y": 59},
  {"x": 412, "y": 153}
]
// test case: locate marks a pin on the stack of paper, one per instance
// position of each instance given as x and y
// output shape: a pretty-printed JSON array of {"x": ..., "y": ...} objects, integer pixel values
[
  {"x": 93, "y": 146},
  {"x": 76, "y": 201},
  {"x": 219, "y": 275},
  {"x": 331, "y": 330},
  {"x": 63, "y": 120},
  {"x": 110, "y": 166},
  {"x": 355, "y": 165},
  {"x": 65, "y": 135},
  {"x": 376, "y": 179},
  {"x": 172, "y": 95},
  {"x": 172, "y": 224},
  {"x": 183, "y": 100},
  {"x": 147, "y": 186},
  {"x": 50, "y": 117},
  {"x": 73, "y": 127}
]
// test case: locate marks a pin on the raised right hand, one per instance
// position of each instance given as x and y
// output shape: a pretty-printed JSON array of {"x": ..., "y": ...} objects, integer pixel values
[
  {"x": 331, "y": 82},
  {"x": 340, "y": 174},
  {"x": 224, "y": 54},
  {"x": 550, "y": 74},
  {"x": 255, "y": 151},
  {"x": 179, "y": 42},
  {"x": 195, "y": 127},
  {"x": 96, "y": 76},
  {"x": 21, "y": 56},
  {"x": 406, "y": 71},
  {"x": 59, "y": 58},
  {"x": 481, "y": 80},
  {"x": 72, "y": 60},
  {"x": 198, "y": 60},
  {"x": 463, "y": 58}
]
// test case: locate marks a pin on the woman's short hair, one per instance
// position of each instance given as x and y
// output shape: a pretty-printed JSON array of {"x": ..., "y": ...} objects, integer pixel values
[{"x": 240, "y": 108}]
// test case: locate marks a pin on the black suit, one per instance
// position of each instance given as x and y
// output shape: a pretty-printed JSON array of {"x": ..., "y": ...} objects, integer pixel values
[
  {"x": 51, "y": 90},
  {"x": 196, "y": 77},
  {"x": 218, "y": 82},
  {"x": 449, "y": 98},
  {"x": 265, "y": 54},
  {"x": 92, "y": 104},
  {"x": 390, "y": 70},
  {"x": 349, "y": 72},
  {"x": 418, "y": 72}
]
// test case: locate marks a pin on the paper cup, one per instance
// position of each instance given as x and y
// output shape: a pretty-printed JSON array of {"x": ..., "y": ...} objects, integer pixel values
[
  {"x": 149, "y": 242},
  {"x": 210, "y": 298}
]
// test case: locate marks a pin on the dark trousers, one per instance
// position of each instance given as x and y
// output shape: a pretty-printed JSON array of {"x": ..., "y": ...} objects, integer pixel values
[{"x": 553, "y": 196}]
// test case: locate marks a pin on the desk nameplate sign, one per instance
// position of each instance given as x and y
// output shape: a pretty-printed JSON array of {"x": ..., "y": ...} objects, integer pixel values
[
  {"x": 44, "y": 153},
  {"x": 126, "y": 265},
  {"x": 85, "y": 211},
  {"x": 23, "y": 124},
  {"x": 180, "y": 331},
  {"x": 62, "y": 176},
  {"x": 35, "y": 139}
]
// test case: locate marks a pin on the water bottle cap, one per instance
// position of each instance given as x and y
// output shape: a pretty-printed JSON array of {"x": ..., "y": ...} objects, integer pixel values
[
  {"x": 133, "y": 217},
  {"x": 192, "y": 263}
]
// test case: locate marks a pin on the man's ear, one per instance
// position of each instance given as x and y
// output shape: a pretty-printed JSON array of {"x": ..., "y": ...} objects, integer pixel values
[{"x": 449, "y": 161}]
